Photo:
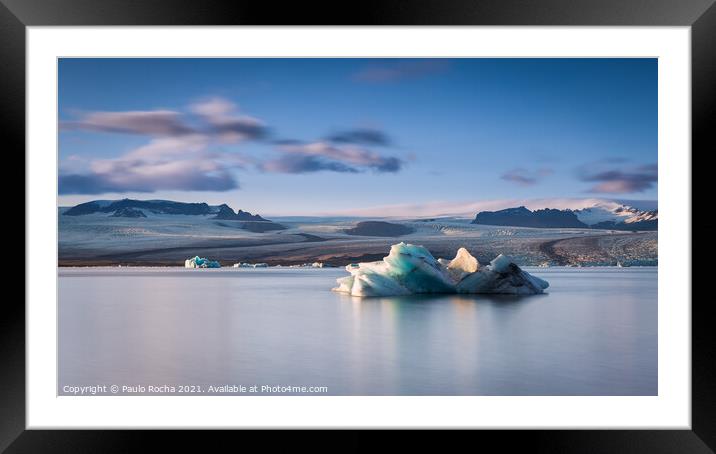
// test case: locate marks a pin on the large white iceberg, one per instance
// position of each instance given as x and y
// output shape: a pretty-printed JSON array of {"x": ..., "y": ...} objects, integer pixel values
[
  {"x": 410, "y": 269},
  {"x": 198, "y": 262}
]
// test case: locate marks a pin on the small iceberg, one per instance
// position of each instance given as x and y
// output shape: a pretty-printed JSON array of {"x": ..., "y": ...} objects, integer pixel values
[
  {"x": 198, "y": 262},
  {"x": 250, "y": 265},
  {"x": 409, "y": 269},
  {"x": 310, "y": 265}
]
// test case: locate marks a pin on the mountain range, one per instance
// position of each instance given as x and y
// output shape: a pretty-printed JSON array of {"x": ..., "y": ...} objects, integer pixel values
[
  {"x": 600, "y": 216},
  {"x": 130, "y": 208},
  {"x": 165, "y": 233},
  {"x": 603, "y": 215}
]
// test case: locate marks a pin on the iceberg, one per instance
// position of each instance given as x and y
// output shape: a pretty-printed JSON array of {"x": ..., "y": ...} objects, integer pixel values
[
  {"x": 409, "y": 269},
  {"x": 250, "y": 265},
  {"x": 198, "y": 262}
]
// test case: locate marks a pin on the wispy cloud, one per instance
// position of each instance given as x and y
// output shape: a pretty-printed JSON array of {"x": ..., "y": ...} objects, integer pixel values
[
  {"x": 304, "y": 164},
  {"x": 621, "y": 180},
  {"x": 179, "y": 153},
  {"x": 394, "y": 71},
  {"x": 184, "y": 151},
  {"x": 226, "y": 123},
  {"x": 299, "y": 157},
  {"x": 218, "y": 118},
  {"x": 164, "y": 163},
  {"x": 366, "y": 136},
  {"x": 151, "y": 122},
  {"x": 141, "y": 177},
  {"x": 525, "y": 177}
]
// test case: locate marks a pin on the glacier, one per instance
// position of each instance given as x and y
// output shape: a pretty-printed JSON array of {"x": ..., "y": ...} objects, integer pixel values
[
  {"x": 198, "y": 262},
  {"x": 410, "y": 269}
]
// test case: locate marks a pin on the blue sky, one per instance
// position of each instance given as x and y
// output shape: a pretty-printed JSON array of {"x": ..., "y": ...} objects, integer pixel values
[{"x": 318, "y": 136}]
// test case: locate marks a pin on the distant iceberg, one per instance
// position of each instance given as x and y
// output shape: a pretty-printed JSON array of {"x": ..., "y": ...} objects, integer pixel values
[
  {"x": 250, "y": 265},
  {"x": 409, "y": 269},
  {"x": 198, "y": 262}
]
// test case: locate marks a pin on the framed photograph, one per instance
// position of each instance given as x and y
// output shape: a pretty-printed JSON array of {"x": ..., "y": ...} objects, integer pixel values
[{"x": 472, "y": 216}]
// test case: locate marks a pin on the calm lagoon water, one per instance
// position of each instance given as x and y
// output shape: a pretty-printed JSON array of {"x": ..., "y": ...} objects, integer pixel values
[{"x": 594, "y": 333}]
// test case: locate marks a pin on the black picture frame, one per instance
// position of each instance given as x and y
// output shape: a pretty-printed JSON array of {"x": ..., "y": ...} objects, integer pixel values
[{"x": 700, "y": 15}]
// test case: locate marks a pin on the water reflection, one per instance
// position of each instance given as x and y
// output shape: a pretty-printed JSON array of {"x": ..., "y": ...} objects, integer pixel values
[
  {"x": 432, "y": 339},
  {"x": 594, "y": 333}
]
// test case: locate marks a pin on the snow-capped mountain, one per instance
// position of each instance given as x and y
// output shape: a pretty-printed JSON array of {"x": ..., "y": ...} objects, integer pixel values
[
  {"x": 602, "y": 215},
  {"x": 614, "y": 212},
  {"x": 137, "y": 209}
]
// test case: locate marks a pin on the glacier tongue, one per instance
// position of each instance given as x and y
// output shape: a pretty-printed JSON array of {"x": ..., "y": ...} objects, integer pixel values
[{"x": 410, "y": 269}]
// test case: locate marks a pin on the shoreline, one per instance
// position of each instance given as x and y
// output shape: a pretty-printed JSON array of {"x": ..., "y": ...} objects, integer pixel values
[
  {"x": 559, "y": 250},
  {"x": 319, "y": 267}
]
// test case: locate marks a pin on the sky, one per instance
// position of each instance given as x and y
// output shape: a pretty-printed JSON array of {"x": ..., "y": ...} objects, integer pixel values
[{"x": 342, "y": 136}]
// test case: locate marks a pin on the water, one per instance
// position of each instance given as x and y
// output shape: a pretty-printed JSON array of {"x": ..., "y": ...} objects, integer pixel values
[{"x": 595, "y": 333}]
